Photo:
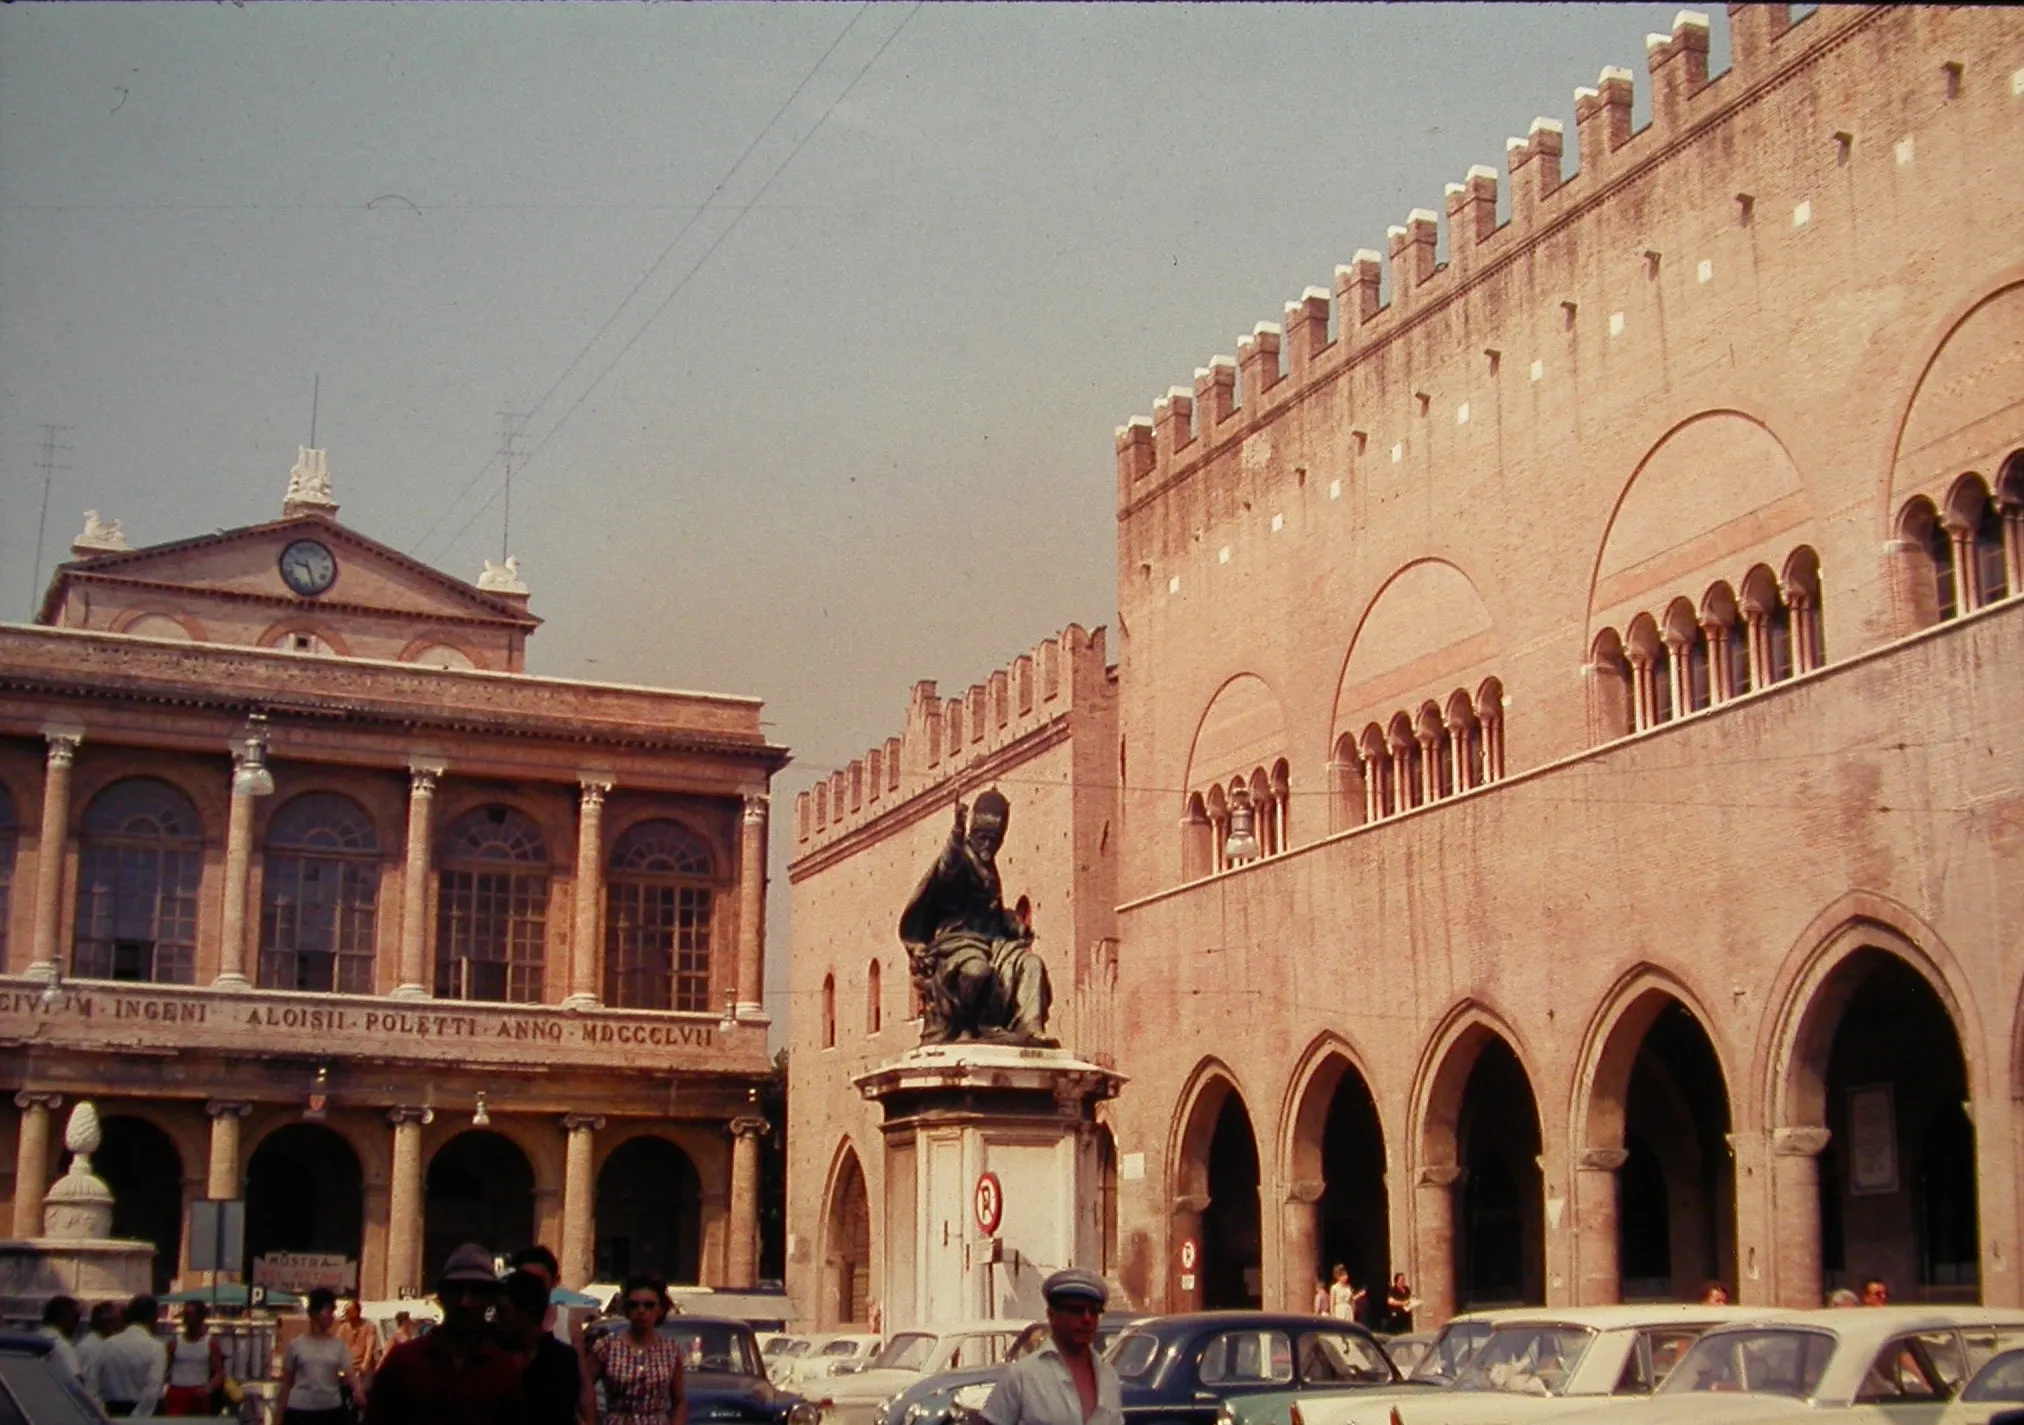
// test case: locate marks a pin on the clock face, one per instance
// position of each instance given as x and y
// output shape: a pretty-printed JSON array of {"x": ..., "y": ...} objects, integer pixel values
[{"x": 307, "y": 567}]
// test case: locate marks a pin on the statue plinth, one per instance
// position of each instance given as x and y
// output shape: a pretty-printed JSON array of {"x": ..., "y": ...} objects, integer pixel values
[
  {"x": 955, "y": 1113},
  {"x": 76, "y": 1255}
]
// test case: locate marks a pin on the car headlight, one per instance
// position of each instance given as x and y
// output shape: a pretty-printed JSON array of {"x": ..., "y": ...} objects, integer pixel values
[{"x": 803, "y": 1413}]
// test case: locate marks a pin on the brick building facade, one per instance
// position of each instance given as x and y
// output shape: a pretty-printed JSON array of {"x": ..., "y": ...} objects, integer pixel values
[
  {"x": 1600, "y": 613},
  {"x": 330, "y": 906}
]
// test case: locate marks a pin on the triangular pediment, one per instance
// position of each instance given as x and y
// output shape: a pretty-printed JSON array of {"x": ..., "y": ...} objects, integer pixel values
[{"x": 366, "y": 576}]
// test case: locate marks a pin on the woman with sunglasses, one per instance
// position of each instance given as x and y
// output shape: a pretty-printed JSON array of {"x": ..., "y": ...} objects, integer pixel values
[{"x": 640, "y": 1368}]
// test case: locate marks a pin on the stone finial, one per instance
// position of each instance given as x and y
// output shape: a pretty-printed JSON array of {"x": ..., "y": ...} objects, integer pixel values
[
  {"x": 502, "y": 578},
  {"x": 79, "y": 1205},
  {"x": 309, "y": 484},
  {"x": 99, "y": 536}
]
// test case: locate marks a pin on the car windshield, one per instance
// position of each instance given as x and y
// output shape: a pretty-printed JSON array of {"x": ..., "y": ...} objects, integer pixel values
[
  {"x": 1341, "y": 1358},
  {"x": 1451, "y": 1351},
  {"x": 713, "y": 1346},
  {"x": 908, "y": 1351},
  {"x": 1525, "y": 1360},
  {"x": 1133, "y": 1354},
  {"x": 2000, "y": 1380},
  {"x": 1769, "y": 1360},
  {"x": 844, "y": 1347}
]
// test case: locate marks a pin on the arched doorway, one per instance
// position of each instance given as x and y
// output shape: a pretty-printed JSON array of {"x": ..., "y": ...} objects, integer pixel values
[
  {"x": 649, "y": 1213},
  {"x": 847, "y": 1247},
  {"x": 480, "y": 1189},
  {"x": 1677, "y": 1189},
  {"x": 305, "y": 1192},
  {"x": 1337, "y": 1172},
  {"x": 139, "y": 1162},
  {"x": 1230, "y": 1222},
  {"x": 1880, "y": 1067},
  {"x": 1499, "y": 1238}
]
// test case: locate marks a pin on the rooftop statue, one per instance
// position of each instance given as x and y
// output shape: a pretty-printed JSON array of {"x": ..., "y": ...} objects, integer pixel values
[{"x": 979, "y": 978}]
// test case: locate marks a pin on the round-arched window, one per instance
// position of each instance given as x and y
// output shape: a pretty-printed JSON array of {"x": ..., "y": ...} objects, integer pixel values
[
  {"x": 140, "y": 862},
  {"x": 319, "y": 899},
  {"x": 492, "y": 908},
  {"x": 660, "y": 899}
]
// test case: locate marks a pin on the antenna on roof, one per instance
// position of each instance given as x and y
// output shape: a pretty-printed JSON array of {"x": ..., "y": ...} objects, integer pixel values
[
  {"x": 512, "y": 424},
  {"x": 52, "y": 447},
  {"x": 315, "y": 397}
]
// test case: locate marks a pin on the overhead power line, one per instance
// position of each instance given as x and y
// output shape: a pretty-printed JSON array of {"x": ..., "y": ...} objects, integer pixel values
[{"x": 50, "y": 465}]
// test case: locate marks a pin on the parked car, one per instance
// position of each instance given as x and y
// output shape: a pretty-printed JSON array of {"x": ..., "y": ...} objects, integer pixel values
[
  {"x": 836, "y": 1355},
  {"x": 1180, "y": 1370},
  {"x": 1544, "y": 1363},
  {"x": 954, "y": 1396},
  {"x": 724, "y": 1374},
  {"x": 780, "y": 1354},
  {"x": 863, "y": 1398},
  {"x": 1405, "y": 1351},
  {"x": 1996, "y": 1389},
  {"x": 38, "y": 1392},
  {"x": 1897, "y": 1364}
]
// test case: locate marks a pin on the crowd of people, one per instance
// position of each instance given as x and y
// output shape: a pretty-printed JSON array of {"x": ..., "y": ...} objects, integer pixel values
[{"x": 493, "y": 1359}]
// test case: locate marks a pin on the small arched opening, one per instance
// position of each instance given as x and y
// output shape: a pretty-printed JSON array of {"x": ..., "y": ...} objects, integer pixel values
[
  {"x": 480, "y": 1189},
  {"x": 649, "y": 1212}
]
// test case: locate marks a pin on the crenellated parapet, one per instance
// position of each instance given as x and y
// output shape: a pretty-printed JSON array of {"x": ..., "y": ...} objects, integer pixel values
[
  {"x": 1378, "y": 295},
  {"x": 948, "y": 740}
]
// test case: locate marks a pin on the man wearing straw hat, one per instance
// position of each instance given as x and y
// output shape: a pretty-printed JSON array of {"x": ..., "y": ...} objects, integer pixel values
[{"x": 1064, "y": 1382}]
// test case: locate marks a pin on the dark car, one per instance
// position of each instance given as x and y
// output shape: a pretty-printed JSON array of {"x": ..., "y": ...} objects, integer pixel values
[
  {"x": 955, "y": 1395},
  {"x": 33, "y": 1389},
  {"x": 724, "y": 1376},
  {"x": 1178, "y": 1370}
]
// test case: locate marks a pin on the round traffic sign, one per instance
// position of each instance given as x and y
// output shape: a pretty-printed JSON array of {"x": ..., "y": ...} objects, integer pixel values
[
  {"x": 1189, "y": 1254},
  {"x": 989, "y": 1202}
]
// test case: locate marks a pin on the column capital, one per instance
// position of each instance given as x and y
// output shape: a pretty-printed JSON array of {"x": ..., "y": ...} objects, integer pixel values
[
  {"x": 1602, "y": 1160},
  {"x": 583, "y": 1122},
  {"x": 592, "y": 787},
  {"x": 757, "y": 805},
  {"x": 63, "y": 743},
  {"x": 1439, "y": 1175},
  {"x": 422, "y": 781},
  {"x": 35, "y": 1098},
  {"x": 228, "y": 1108},
  {"x": 398, "y": 1116},
  {"x": 1800, "y": 1142},
  {"x": 1306, "y": 1190},
  {"x": 1190, "y": 1202},
  {"x": 749, "y": 1125}
]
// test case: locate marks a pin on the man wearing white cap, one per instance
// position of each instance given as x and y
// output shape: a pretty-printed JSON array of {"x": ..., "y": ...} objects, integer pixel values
[{"x": 1064, "y": 1382}]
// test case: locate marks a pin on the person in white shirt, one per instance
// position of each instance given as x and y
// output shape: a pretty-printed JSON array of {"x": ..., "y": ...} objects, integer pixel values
[
  {"x": 125, "y": 1376},
  {"x": 106, "y": 1321},
  {"x": 1064, "y": 1382},
  {"x": 1342, "y": 1297},
  {"x": 60, "y": 1316}
]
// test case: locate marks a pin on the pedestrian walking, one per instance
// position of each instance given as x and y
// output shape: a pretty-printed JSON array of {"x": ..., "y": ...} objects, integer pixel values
[
  {"x": 107, "y": 1319},
  {"x": 127, "y": 1373},
  {"x": 196, "y": 1365},
  {"x": 362, "y": 1338},
  {"x": 316, "y": 1369},
  {"x": 1342, "y": 1297},
  {"x": 551, "y": 1373},
  {"x": 1064, "y": 1382},
  {"x": 455, "y": 1374},
  {"x": 641, "y": 1370},
  {"x": 1398, "y": 1306},
  {"x": 60, "y": 1318}
]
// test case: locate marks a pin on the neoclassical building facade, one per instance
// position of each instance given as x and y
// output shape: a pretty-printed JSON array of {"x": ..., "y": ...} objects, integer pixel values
[
  {"x": 331, "y": 907},
  {"x": 1569, "y": 803}
]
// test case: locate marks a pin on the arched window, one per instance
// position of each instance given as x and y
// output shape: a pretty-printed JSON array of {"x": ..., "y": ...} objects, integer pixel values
[
  {"x": 2010, "y": 509},
  {"x": 1407, "y": 789},
  {"x": 1728, "y": 642},
  {"x": 1930, "y": 547},
  {"x": 1197, "y": 847},
  {"x": 1465, "y": 742},
  {"x": 492, "y": 908},
  {"x": 1351, "y": 807},
  {"x": 1651, "y": 673},
  {"x": 1612, "y": 689},
  {"x": 319, "y": 897},
  {"x": 1282, "y": 804},
  {"x": 10, "y": 832},
  {"x": 1694, "y": 679},
  {"x": 1490, "y": 713},
  {"x": 874, "y": 998},
  {"x": 829, "y": 1011},
  {"x": 1801, "y": 589},
  {"x": 1265, "y": 815},
  {"x": 1437, "y": 746},
  {"x": 659, "y": 899},
  {"x": 1377, "y": 773},
  {"x": 140, "y": 860},
  {"x": 1971, "y": 511}
]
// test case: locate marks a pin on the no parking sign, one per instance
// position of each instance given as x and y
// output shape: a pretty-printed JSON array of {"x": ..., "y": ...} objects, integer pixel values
[{"x": 989, "y": 1203}]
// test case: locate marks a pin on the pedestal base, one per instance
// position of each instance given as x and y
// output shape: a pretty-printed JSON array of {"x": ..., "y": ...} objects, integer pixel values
[
  {"x": 101, "y": 1269},
  {"x": 955, "y": 1113}
]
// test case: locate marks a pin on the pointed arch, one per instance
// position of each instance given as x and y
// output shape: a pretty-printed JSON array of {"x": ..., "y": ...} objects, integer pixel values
[{"x": 846, "y": 1246}]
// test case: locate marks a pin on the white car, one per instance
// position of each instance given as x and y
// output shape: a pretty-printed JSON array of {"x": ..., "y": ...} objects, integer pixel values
[
  {"x": 837, "y": 1355},
  {"x": 859, "y": 1399},
  {"x": 1883, "y": 1365},
  {"x": 1997, "y": 1387},
  {"x": 781, "y": 1352}
]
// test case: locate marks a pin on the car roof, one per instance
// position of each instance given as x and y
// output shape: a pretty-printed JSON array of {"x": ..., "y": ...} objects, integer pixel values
[
  {"x": 1618, "y": 1318},
  {"x": 965, "y": 1328},
  {"x": 1188, "y": 1323},
  {"x": 27, "y": 1343},
  {"x": 1861, "y": 1331}
]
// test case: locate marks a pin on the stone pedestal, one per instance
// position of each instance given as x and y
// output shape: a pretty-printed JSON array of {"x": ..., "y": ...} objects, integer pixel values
[
  {"x": 76, "y": 1255},
  {"x": 954, "y": 1113}
]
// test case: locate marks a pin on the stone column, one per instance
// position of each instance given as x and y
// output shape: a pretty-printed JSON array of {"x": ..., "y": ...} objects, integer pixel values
[
  {"x": 1795, "y": 1214},
  {"x": 579, "y": 1197},
  {"x": 1430, "y": 767},
  {"x": 415, "y": 979},
  {"x": 238, "y": 874},
  {"x": 752, "y": 909},
  {"x": 1598, "y": 1272},
  {"x": 1643, "y": 707},
  {"x": 1300, "y": 1241},
  {"x": 742, "y": 1258},
  {"x": 1373, "y": 794},
  {"x": 1719, "y": 689},
  {"x": 404, "y": 1201},
  {"x": 1676, "y": 676},
  {"x": 49, "y": 853},
  {"x": 223, "y": 1179},
  {"x": 585, "y": 944},
  {"x": 1758, "y": 647},
  {"x": 1434, "y": 1213},
  {"x": 1962, "y": 536},
  {"x": 1805, "y": 657},
  {"x": 2013, "y": 546},
  {"x": 31, "y": 1159}
]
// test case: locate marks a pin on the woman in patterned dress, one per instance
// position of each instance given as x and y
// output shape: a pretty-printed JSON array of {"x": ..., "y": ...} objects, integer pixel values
[{"x": 641, "y": 1369}]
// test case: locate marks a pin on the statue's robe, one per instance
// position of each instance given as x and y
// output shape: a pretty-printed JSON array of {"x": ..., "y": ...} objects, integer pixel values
[{"x": 956, "y": 926}]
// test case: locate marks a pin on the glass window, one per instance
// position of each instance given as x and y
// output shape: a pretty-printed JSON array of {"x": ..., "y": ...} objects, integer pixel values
[
  {"x": 319, "y": 897},
  {"x": 1903, "y": 1370},
  {"x": 1769, "y": 1360},
  {"x": 1667, "y": 1349},
  {"x": 658, "y": 921},
  {"x": 140, "y": 862},
  {"x": 844, "y": 1347},
  {"x": 492, "y": 909},
  {"x": 714, "y": 1346},
  {"x": 908, "y": 1351},
  {"x": 1133, "y": 1354},
  {"x": 1526, "y": 1360},
  {"x": 2002, "y": 1379},
  {"x": 1247, "y": 1358},
  {"x": 1341, "y": 1358},
  {"x": 1451, "y": 1350}
]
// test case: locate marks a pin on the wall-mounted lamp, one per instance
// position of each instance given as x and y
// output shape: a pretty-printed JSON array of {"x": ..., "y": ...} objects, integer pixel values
[
  {"x": 1240, "y": 844},
  {"x": 730, "y": 1020},
  {"x": 482, "y": 1117},
  {"x": 250, "y": 777}
]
